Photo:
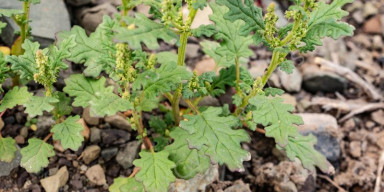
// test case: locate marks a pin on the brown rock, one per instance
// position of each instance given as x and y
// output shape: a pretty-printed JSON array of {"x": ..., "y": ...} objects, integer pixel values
[
  {"x": 206, "y": 65},
  {"x": 355, "y": 148},
  {"x": 96, "y": 175},
  {"x": 90, "y": 153},
  {"x": 119, "y": 122},
  {"x": 20, "y": 139},
  {"x": 53, "y": 183},
  {"x": 378, "y": 117},
  {"x": 89, "y": 119},
  {"x": 238, "y": 186},
  {"x": 85, "y": 133},
  {"x": 373, "y": 25}
]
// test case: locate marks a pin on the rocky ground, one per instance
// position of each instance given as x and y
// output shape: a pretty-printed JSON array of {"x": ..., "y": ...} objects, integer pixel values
[{"x": 338, "y": 90}]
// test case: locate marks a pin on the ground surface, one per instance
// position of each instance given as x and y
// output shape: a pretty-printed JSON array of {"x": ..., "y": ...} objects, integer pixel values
[{"x": 351, "y": 135}]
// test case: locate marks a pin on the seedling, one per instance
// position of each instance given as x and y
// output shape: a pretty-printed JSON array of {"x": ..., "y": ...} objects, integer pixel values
[{"x": 187, "y": 142}]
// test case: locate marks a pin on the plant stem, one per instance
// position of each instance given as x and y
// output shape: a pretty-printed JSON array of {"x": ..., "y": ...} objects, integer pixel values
[
  {"x": 272, "y": 66},
  {"x": 47, "y": 137},
  {"x": 25, "y": 24},
  {"x": 192, "y": 106},
  {"x": 181, "y": 52},
  {"x": 175, "y": 104},
  {"x": 140, "y": 129},
  {"x": 238, "y": 90}
]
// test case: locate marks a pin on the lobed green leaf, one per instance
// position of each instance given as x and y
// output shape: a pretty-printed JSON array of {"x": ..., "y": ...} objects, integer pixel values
[
  {"x": 214, "y": 135},
  {"x": 69, "y": 133},
  {"x": 7, "y": 149},
  {"x": 155, "y": 170},
  {"x": 35, "y": 156}
]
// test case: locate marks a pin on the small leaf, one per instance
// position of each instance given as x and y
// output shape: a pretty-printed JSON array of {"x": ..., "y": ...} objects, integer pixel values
[
  {"x": 214, "y": 134},
  {"x": 7, "y": 149},
  {"x": 16, "y": 96},
  {"x": 248, "y": 12},
  {"x": 84, "y": 89},
  {"x": 35, "y": 156},
  {"x": 204, "y": 30},
  {"x": 273, "y": 91},
  {"x": 155, "y": 170},
  {"x": 232, "y": 45},
  {"x": 199, "y": 4},
  {"x": 69, "y": 133},
  {"x": 36, "y": 105},
  {"x": 189, "y": 162},
  {"x": 147, "y": 32},
  {"x": 126, "y": 184},
  {"x": 287, "y": 66},
  {"x": 158, "y": 81},
  {"x": 108, "y": 104},
  {"x": 10, "y": 12},
  {"x": 63, "y": 107}
]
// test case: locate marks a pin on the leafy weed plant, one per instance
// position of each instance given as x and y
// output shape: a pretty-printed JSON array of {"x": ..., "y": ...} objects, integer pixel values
[{"x": 178, "y": 143}]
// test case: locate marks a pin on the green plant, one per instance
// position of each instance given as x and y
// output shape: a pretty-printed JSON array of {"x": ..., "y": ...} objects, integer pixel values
[{"x": 188, "y": 143}]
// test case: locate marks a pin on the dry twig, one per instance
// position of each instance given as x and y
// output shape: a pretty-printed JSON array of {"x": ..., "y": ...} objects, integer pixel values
[
  {"x": 332, "y": 182},
  {"x": 351, "y": 76},
  {"x": 365, "y": 108},
  {"x": 379, "y": 172}
]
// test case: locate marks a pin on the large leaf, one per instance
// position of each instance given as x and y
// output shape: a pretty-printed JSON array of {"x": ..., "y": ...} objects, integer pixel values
[
  {"x": 95, "y": 51},
  {"x": 25, "y": 64},
  {"x": 214, "y": 134},
  {"x": 10, "y": 12},
  {"x": 7, "y": 149},
  {"x": 155, "y": 170},
  {"x": 325, "y": 29},
  {"x": 248, "y": 12},
  {"x": 233, "y": 45},
  {"x": 84, "y": 89},
  {"x": 147, "y": 32},
  {"x": 16, "y": 96},
  {"x": 109, "y": 104},
  {"x": 36, "y": 105},
  {"x": 161, "y": 80},
  {"x": 277, "y": 117},
  {"x": 126, "y": 184},
  {"x": 302, "y": 148},
  {"x": 35, "y": 156},
  {"x": 328, "y": 12},
  {"x": 69, "y": 133},
  {"x": 324, "y": 22},
  {"x": 189, "y": 162}
]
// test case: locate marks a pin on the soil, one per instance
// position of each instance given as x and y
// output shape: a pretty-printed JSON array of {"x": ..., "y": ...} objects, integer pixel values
[{"x": 361, "y": 137}]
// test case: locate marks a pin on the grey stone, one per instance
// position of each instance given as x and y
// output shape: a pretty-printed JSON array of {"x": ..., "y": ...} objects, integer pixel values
[
  {"x": 95, "y": 135},
  {"x": 126, "y": 156},
  {"x": 90, "y": 18},
  {"x": 109, "y": 153},
  {"x": 78, "y": 3},
  {"x": 118, "y": 122},
  {"x": 192, "y": 50},
  {"x": 91, "y": 153},
  {"x": 325, "y": 128},
  {"x": 6, "y": 168},
  {"x": 197, "y": 183},
  {"x": 114, "y": 136},
  {"x": 44, "y": 123},
  {"x": 291, "y": 82},
  {"x": 323, "y": 81},
  {"x": 54, "y": 182},
  {"x": 48, "y": 18}
]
